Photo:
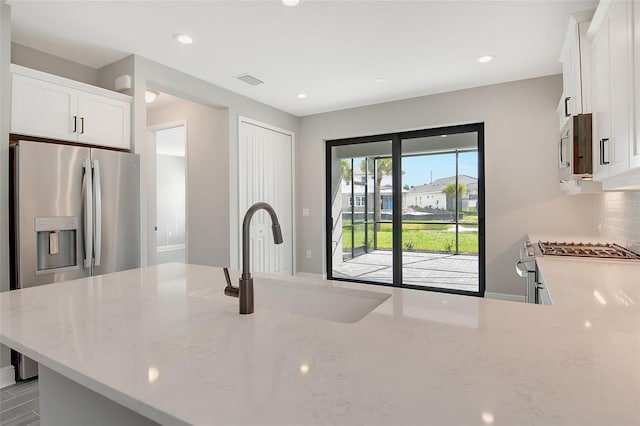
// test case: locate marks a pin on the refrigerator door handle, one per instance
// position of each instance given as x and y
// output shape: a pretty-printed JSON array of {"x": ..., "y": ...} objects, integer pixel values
[
  {"x": 97, "y": 193},
  {"x": 87, "y": 195}
]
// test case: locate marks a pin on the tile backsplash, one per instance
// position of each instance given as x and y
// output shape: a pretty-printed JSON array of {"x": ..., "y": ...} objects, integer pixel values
[{"x": 618, "y": 217}]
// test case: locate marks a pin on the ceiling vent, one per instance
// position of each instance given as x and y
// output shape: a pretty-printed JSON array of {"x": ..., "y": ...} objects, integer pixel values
[{"x": 249, "y": 79}]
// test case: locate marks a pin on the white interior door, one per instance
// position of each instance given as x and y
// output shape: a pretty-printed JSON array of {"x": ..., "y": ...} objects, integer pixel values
[{"x": 265, "y": 174}]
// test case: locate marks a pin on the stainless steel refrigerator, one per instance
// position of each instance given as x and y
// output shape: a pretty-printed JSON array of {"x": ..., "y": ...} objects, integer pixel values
[{"x": 75, "y": 212}]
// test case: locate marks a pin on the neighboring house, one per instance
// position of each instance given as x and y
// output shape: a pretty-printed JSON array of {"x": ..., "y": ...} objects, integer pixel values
[
  {"x": 362, "y": 188},
  {"x": 431, "y": 195}
]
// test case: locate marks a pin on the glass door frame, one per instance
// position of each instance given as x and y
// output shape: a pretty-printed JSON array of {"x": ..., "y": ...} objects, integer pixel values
[{"x": 396, "y": 155}]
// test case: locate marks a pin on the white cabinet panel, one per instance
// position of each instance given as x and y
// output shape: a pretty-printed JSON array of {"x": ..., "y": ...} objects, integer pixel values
[
  {"x": 43, "y": 109},
  {"x": 621, "y": 86},
  {"x": 103, "y": 121},
  {"x": 615, "y": 94},
  {"x": 601, "y": 103}
]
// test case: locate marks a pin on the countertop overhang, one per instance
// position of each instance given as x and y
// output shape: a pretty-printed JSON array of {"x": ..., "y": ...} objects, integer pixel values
[{"x": 140, "y": 339}]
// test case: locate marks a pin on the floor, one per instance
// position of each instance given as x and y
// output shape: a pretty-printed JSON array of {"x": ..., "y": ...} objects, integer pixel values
[
  {"x": 444, "y": 270},
  {"x": 19, "y": 405}
]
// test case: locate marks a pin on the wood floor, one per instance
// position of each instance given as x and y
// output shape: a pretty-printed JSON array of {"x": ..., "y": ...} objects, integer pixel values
[{"x": 19, "y": 405}]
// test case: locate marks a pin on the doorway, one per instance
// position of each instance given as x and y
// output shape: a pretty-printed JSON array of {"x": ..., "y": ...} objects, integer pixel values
[
  {"x": 407, "y": 209},
  {"x": 171, "y": 236}
]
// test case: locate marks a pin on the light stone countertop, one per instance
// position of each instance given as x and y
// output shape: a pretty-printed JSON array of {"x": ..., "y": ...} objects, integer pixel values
[{"x": 140, "y": 339}]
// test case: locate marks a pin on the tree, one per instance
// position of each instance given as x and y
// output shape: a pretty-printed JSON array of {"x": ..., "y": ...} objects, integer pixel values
[
  {"x": 384, "y": 167},
  {"x": 450, "y": 190},
  {"x": 346, "y": 170}
]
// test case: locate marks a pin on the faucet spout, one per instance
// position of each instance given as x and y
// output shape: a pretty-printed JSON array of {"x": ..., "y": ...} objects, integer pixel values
[{"x": 246, "y": 282}]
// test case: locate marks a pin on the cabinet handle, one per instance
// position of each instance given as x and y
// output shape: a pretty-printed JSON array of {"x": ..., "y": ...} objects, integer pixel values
[
  {"x": 75, "y": 123},
  {"x": 604, "y": 161},
  {"x": 81, "y": 125},
  {"x": 566, "y": 106}
]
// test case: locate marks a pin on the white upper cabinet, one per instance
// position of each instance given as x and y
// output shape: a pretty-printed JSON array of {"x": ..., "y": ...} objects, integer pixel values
[
  {"x": 613, "y": 33},
  {"x": 576, "y": 66},
  {"x": 40, "y": 108},
  {"x": 103, "y": 121},
  {"x": 52, "y": 107}
]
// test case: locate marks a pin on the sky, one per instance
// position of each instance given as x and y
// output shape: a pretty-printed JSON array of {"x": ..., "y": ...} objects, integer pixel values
[{"x": 418, "y": 170}]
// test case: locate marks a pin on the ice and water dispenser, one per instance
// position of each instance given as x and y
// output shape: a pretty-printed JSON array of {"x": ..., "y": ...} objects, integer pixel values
[{"x": 56, "y": 243}]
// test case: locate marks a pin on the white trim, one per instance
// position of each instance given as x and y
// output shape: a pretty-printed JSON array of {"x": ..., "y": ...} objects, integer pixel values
[
  {"x": 172, "y": 247},
  {"x": 504, "y": 296},
  {"x": 311, "y": 275},
  {"x": 234, "y": 211},
  {"x": 51, "y": 78},
  {"x": 7, "y": 376},
  {"x": 599, "y": 17}
]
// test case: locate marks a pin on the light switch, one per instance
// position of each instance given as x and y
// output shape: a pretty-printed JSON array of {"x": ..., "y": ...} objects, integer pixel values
[
  {"x": 308, "y": 254},
  {"x": 305, "y": 212}
]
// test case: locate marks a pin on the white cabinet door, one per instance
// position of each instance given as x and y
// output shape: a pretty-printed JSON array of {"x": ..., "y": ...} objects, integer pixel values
[
  {"x": 601, "y": 103},
  {"x": 575, "y": 103},
  {"x": 40, "y": 108},
  {"x": 571, "y": 79},
  {"x": 103, "y": 121},
  {"x": 621, "y": 86},
  {"x": 634, "y": 161}
]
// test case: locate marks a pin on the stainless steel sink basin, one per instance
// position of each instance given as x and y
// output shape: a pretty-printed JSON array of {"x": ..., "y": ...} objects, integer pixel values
[{"x": 304, "y": 299}]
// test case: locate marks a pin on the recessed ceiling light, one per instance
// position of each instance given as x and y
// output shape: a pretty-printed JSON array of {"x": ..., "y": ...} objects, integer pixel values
[
  {"x": 301, "y": 95},
  {"x": 183, "y": 38},
  {"x": 291, "y": 2},
  {"x": 485, "y": 59},
  {"x": 151, "y": 95},
  {"x": 380, "y": 80}
]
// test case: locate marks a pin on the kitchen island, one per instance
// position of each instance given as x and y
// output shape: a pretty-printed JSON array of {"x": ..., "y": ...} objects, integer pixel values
[{"x": 162, "y": 344}]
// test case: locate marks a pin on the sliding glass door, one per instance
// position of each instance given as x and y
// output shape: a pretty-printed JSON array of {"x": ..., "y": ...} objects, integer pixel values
[
  {"x": 406, "y": 209},
  {"x": 361, "y": 214},
  {"x": 440, "y": 242}
]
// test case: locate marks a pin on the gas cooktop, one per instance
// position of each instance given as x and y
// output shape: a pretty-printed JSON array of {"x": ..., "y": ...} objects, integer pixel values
[{"x": 598, "y": 250}]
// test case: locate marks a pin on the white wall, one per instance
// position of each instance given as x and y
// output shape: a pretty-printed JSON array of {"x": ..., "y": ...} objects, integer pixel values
[
  {"x": 522, "y": 191},
  {"x": 46, "y": 62},
  {"x": 207, "y": 178}
]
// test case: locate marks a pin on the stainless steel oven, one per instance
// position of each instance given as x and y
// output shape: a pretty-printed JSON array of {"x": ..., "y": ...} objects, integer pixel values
[
  {"x": 527, "y": 268},
  {"x": 535, "y": 288}
]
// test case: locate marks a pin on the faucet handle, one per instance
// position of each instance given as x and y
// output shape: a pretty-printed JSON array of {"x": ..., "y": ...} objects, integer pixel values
[
  {"x": 226, "y": 276},
  {"x": 230, "y": 290}
]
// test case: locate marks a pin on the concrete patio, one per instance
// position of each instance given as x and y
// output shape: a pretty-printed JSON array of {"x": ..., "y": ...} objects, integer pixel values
[{"x": 443, "y": 270}]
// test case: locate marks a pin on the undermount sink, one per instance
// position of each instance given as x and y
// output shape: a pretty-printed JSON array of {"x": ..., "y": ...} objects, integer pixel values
[{"x": 310, "y": 300}]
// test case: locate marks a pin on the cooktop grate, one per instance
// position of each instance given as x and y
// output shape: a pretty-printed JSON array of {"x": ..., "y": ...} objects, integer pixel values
[{"x": 599, "y": 250}]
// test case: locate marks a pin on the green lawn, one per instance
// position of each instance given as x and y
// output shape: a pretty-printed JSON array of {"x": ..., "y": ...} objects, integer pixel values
[{"x": 419, "y": 237}]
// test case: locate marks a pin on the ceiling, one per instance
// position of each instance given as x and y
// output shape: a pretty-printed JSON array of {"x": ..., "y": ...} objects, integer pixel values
[{"x": 334, "y": 51}]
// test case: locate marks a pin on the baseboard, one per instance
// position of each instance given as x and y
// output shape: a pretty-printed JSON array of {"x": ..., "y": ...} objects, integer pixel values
[
  {"x": 504, "y": 296},
  {"x": 7, "y": 376},
  {"x": 311, "y": 275}
]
